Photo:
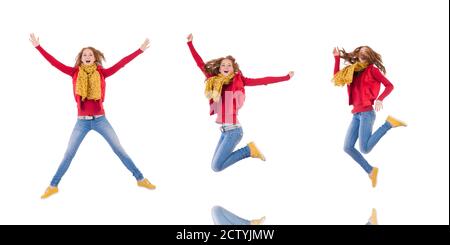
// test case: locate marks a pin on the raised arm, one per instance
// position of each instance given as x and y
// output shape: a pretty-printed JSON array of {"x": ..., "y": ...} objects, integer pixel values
[
  {"x": 197, "y": 58},
  {"x": 266, "y": 80},
  {"x": 119, "y": 65},
  {"x": 336, "y": 60},
  {"x": 54, "y": 62}
]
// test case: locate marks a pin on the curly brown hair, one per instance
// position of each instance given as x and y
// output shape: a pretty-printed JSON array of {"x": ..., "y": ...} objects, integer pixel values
[
  {"x": 213, "y": 66},
  {"x": 371, "y": 56},
  {"x": 99, "y": 57}
]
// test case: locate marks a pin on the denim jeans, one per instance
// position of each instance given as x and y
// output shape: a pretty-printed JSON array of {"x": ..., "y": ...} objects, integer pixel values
[
  {"x": 362, "y": 125},
  {"x": 222, "y": 216},
  {"x": 102, "y": 126},
  {"x": 224, "y": 155}
]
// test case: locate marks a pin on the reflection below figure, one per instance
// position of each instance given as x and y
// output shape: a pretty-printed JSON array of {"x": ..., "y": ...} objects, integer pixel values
[
  {"x": 221, "y": 216},
  {"x": 373, "y": 218}
]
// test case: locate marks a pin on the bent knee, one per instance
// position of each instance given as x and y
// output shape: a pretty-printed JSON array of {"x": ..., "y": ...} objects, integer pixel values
[
  {"x": 348, "y": 149},
  {"x": 364, "y": 150},
  {"x": 216, "y": 166}
]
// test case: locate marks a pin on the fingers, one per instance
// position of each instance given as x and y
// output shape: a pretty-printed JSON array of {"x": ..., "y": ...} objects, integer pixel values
[
  {"x": 145, "y": 45},
  {"x": 336, "y": 51},
  {"x": 34, "y": 40},
  {"x": 378, "y": 105}
]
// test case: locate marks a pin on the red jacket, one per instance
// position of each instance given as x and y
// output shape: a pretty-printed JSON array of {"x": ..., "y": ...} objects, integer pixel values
[
  {"x": 365, "y": 87},
  {"x": 233, "y": 94},
  {"x": 89, "y": 107}
]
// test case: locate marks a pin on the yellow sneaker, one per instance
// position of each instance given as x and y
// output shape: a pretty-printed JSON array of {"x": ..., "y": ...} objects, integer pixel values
[
  {"x": 258, "y": 221},
  {"x": 373, "y": 220},
  {"x": 49, "y": 191},
  {"x": 145, "y": 183},
  {"x": 395, "y": 122},
  {"x": 373, "y": 176},
  {"x": 254, "y": 151}
]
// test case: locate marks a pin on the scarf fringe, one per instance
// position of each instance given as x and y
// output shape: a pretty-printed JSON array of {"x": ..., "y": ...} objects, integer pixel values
[{"x": 214, "y": 85}]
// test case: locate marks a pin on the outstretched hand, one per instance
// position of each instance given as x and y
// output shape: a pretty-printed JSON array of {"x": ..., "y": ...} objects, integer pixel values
[
  {"x": 190, "y": 37},
  {"x": 34, "y": 40},
  {"x": 336, "y": 51},
  {"x": 145, "y": 45},
  {"x": 291, "y": 74}
]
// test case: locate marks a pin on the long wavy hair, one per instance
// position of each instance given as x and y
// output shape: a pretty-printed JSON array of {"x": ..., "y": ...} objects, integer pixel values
[
  {"x": 99, "y": 57},
  {"x": 371, "y": 56},
  {"x": 213, "y": 66}
]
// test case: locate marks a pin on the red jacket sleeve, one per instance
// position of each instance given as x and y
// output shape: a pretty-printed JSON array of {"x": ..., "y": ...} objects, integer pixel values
[
  {"x": 198, "y": 59},
  {"x": 337, "y": 61},
  {"x": 119, "y": 65},
  {"x": 264, "y": 80},
  {"x": 388, "y": 85},
  {"x": 54, "y": 62}
]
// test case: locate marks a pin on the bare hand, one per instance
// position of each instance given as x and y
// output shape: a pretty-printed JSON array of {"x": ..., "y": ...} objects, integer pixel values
[
  {"x": 291, "y": 74},
  {"x": 34, "y": 40},
  {"x": 336, "y": 51},
  {"x": 190, "y": 37},
  {"x": 378, "y": 105},
  {"x": 145, "y": 45}
]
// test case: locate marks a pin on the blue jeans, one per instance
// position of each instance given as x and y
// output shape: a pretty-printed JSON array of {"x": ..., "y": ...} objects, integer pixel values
[
  {"x": 102, "y": 126},
  {"x": 224, "y": 155},
  {"x": 362, "y": 125},
  {"x": 222, "y": 216}
]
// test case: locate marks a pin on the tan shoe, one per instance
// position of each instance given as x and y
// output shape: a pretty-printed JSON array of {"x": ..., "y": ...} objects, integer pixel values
[
  {"x": 146, "y": 184},
  {"x": 373, "y": 220},
  {"x": 254, "y": 151},
  {"x": 373, "y": 176},
  {"x": 258, "y": 221},
  {"x": 49, "y": 191},
  {"x": 395, "y": 122}
]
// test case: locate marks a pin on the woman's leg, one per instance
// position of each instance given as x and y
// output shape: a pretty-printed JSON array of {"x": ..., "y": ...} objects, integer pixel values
[
  {"x": 367, "y": 140},
  {"x": 350, "y": 140},
  {"x": 102, "y": 126},
  {"x": 79, "y": 132},
  {"x": 225, "y": 156},
  {"x": 219, "y": 145}
]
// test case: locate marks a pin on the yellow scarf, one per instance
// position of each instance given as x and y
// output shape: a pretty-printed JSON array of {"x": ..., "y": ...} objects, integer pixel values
[
  {"x": 345, "y": 76},
  {"x": 214, "y": 85},
  {"x": 88, "y": 83}
]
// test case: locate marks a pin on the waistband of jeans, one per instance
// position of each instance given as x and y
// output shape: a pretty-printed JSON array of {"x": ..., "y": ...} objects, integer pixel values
[
  {"x": 225, "y": 128},
  {"x": 89, "y": 117}
]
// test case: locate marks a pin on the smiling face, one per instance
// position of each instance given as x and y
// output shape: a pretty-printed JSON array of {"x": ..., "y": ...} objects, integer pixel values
[
  {"x": 226, "y": 67},
  {"x": 87, "y": 57}
]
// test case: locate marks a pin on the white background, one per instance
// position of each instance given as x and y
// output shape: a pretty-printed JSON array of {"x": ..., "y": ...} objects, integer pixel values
[{"x": 157, "y": 107}]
